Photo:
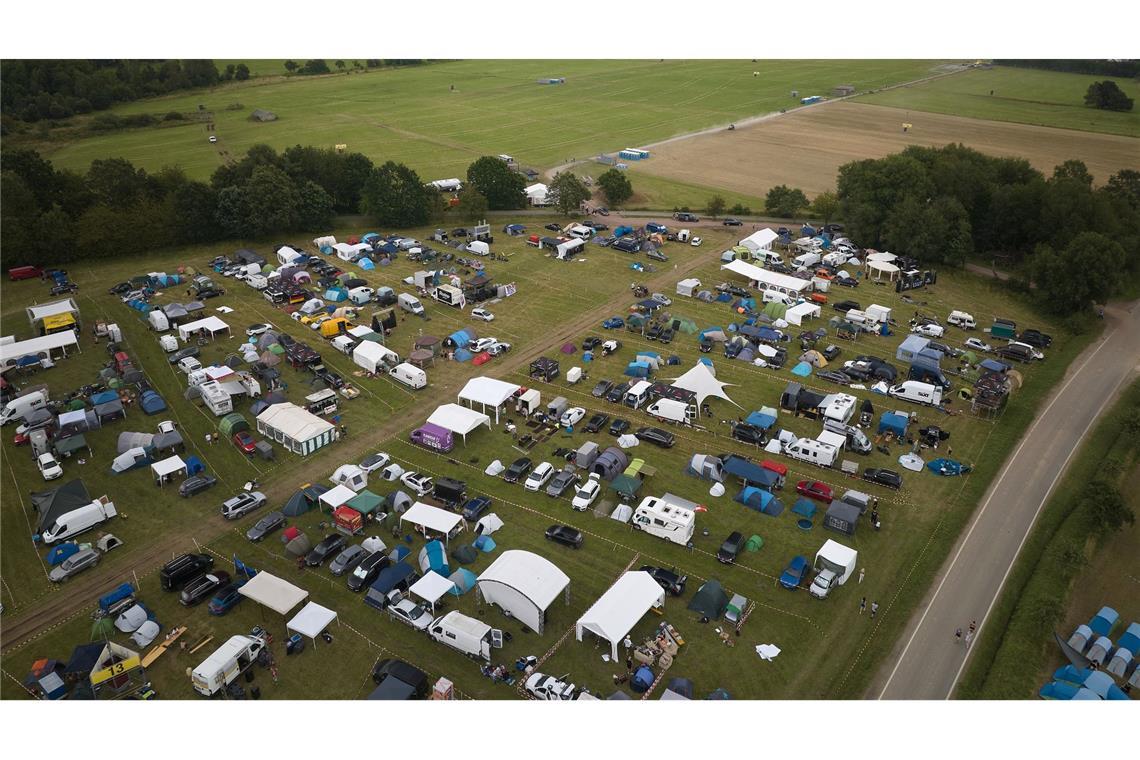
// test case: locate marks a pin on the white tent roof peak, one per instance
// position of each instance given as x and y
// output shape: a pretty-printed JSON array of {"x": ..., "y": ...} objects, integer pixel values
[
  {"x": 702, "y": 381},
  {"x": 432, "y": 587}
]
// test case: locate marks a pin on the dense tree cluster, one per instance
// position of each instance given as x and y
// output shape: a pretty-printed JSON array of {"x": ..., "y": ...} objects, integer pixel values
[
  {"x": 1119, "y": 68},
  {"x": 615, "y": 186},
  {"x": 1107, "y": 96},
  {"x": 785, "y": 201},
  {"x": 943, "y": 204},
  {"x": 498, "y": 183}
]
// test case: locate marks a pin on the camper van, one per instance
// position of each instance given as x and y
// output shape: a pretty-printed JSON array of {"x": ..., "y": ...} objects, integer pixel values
[
  {"x": 840, "y": 408},
  {"x": 834, "y": 564},
  {"x": 672, "y": 411},
  {"x": 918, "y": 393},
  {"x": 434, "y": 437},
  {"x": 472, "y": 637},
  {"x": 228, "y": 662},
  {"x": 636, "y": 396},
  {"x": 816, "y": 452},
  {"x": 410, "y": 375},
  {"x": 806, "y": 260},
  {"x": 449, "y": 295},
  {"x": 22, "y": 406},
  {"x": 669, "y": 517},
  {"x": 581, "y": 231},
  {"x": 856, "y": 439},
  {"x": 322, "y": 402},
  {"x": 410, "y": 304},
  {"x": 78, "y": 520},
  {"x": 961, "y": 319}
]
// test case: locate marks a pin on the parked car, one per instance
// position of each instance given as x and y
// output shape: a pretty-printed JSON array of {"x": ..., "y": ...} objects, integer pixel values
[
  {"x": 666, "y": 335},
  {"x": 831, "y": 351},
  {"x": 481, "y": 344},
  {"x": 653, "y": 332},
  {"x": 517, "y": 470},
  {"x": 888, "y": 478},
  {"x": 225, "y": 599},
  {"x": 550, "y": 689},
  {"x": 1036, "y": 338},
  {"x": 617, "y": 393},
  {"x": 48, "y": 466},
  {"x": 661, "y": 298},
  {"x": 587, "y": 493},
  {"x": 731, "y": 547},
  {"x": 847, "y": 282},
  {"x": 589, "y": 344},
  {"x": 656, "y": 255},
  {"x": 656, "y": 436},
  {"x": 266, "y": 525},
  {"x": 834, "y": 376},
  {"x": 976, "y": 344},
  {"x": 73, "y": 565},
  {"x": 182, "y": 353},
  {"x": 200, "y": 588},
  {"x": 601, "y": 388},
  {"x": 794, "y": 573},
  {"x": 696, "y": 242},
  {"x": 420, "y": 484},
  {"x": 562, "y": 481},
  {"x": 732, "y": 222},
  {"x": 813, "y": 489},
  {"x": 552, "y": 227},
  {"x": 242, "y": 504},
  {"x": 746, "y": 433},
  {"x": 347, "y": 560},
  {"x": 258, "y": 329},
  {"x": 366, "y": 571},
  {"x": 565, "y": 535},
  {"x": 411, "y": 614},
  {"x": 245, "y": 442},
  {"x": 845, "y": 306},
  {"x": 377, "y": 461},
  {"x": 475, "y": 507},
  {"x": 619, "y": 426},
  {"x": 613, "y": 323},
  {"x": 538, "y": 477},
  {"x": 196, "y": 484},
  {"x": 498, "y": 347},
  {"x": 64, "y": 287},
  {"x": 928, "y": 330},
  {"x": 597, "y": 422},
  {"x": 572, "y": 416},
  {"x": 331, "y": 543},
  {"x": 667, "y": 579},
  {"x": 483, "y": 314}
]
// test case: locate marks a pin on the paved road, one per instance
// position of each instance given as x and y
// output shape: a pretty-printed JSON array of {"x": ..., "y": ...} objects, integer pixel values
[{"x": 928, "y": 663}]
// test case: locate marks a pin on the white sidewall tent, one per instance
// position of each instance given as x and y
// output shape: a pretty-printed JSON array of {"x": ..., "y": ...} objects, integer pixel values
[
  {"x": 488, "y": 392},
  {"x": 212, "y": 325},
  {"x": 618, "y": 610},
  {"x": 523, "y": 585},
  {"x": 458, "y": 419}
]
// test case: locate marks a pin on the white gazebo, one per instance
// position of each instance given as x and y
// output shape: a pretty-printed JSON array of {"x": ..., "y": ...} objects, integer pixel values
[
  {"x": 458, "y": 419},
  {"x": 337, "y": 496},
  {"x": 213, "y": 325},
  {"x": 801, "y": 311},
  {"x": 311, "y": 620},
  {"x": 488, "y": 392},
  {"x": 426, "y": 517},
  {"x": 431, "y": 588},
  {"x": 164, "y": 469},
  {"x": 618, "y": 610},
  {"x": 270, "y": 591},
  {"x": 880, "y": 268}
]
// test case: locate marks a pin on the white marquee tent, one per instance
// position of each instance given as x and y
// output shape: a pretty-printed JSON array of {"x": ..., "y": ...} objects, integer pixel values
[
  {"x": 311, "y": 620},
  {"x": 337, "y": 496},
  {"x": 768, "y": 279},
  {"x": 432, "y": 587},
  {"x": 273, "y": 592},
  {"x": 427, "y": 517},
  {"x": 798, "y": 313},
  {"x": 760, "y": 240},
  {"x": 487, "y": 391},
  {"x": 458, "y": 419},
  {"x": 524, "y": 585},
  {"x": 617, "y": 611},
  {"x": 55, "y": 308},
  {"x": 10, "y": 353},
  {"x": 167, "y": 467},
  {"x": 701, "y": 381},
  {"x": 295, "y": 428},
  {"x": 211, "y": 324}
]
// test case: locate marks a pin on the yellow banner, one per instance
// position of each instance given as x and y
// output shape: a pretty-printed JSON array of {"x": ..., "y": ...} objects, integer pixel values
[{"x": 118, "y": 669}]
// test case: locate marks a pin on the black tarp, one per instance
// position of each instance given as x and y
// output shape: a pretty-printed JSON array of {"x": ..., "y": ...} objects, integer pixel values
[{"x": 59, "y": 501}]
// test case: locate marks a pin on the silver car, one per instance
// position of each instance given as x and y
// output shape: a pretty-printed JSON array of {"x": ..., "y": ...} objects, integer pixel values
[
  {"x": 76, "y": 563},
  {"x": 410, "y": 613}
]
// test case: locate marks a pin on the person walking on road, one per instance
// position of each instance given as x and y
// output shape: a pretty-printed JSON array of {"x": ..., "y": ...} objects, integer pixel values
[
  {"x": 874, "y": 609},
  {"x": 958, "y": 636},
  {"x": 862, "y": 605}
]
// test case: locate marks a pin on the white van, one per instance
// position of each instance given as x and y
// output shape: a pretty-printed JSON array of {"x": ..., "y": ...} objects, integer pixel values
[
  {"x": 410, "y": 303},
  {"x": 227, "y": 662},
  {"x": 472, "y": 637},
  {"x": 856, "y": 439},
  {"x": 961, "y": 319},
  {"x": 581, "y": 231},
  {"x": 636, "y": 396},
  {"x": 806, "y": 260},
  {"x": 20, "y": 407},
  {"x": 410, "y": 375},
  {"x": 816, "y": 452},
  {"x": 672, "y": 411},
  {"x": 919, "y": 393},
  {"x": 344, "y": 344},
  {"x": 78, "y": 520},
  {"x": 257, "y": 281},
  {"x": 775, "y": 295}
]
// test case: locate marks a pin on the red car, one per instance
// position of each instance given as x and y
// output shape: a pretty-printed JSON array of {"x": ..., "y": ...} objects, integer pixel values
[
  {"x": 813, "y": 489},
  {"x": 245, "y": 442}
]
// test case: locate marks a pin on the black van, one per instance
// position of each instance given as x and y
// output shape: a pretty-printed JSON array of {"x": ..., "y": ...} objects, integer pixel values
[{"x": 179, "y": 571}]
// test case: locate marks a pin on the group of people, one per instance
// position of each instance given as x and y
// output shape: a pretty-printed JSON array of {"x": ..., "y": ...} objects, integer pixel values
[{"x": 969, "y": 637}]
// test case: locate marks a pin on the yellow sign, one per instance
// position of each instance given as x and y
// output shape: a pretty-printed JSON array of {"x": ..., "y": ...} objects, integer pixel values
[{"x": 118, "y": 669}]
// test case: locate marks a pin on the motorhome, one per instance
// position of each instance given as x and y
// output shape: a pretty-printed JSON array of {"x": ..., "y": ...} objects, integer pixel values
[
  {"x": 216, "y": 398},
  {"x": 669, "y": 517},
  {"x": 79, "y": 520},
  {"x": 961, "y": 319},
  {"x": 227, "y": 662},
  {"x": 856, "y": 439},
  {"x": 472, "y": 637},
  {"x": 840, "y": 407},
  {"x": 815, "y": 452},
  {"x": 22, "y": 406},
  {"x": 636, "y": 396},
  {"x": 672, "y": 411},
  {"x": 918, "y": 393},
  {"x": 410, "y": 304},
  {"x": 410, "y": 375},
  {"x": 834, "y": 565}
]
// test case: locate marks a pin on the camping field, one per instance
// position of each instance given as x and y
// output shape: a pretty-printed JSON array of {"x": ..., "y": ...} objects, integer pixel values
[
  {"x": 437, "y": 118},
  {"x": 828, "y": 649}
]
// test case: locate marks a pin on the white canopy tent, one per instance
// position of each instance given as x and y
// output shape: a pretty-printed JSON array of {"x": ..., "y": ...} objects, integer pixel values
[
  {"x": 768, "y": 279},
  {"x": 167, "y": 467},
  {"x": 458, "y": 419},
  {"x": 297, "y": 429},
  {"x": 431, "y": 588},
  {"x": 55, "y": 308},
  {"x": 427, "y": 517},
  {"x": 701, "y": 381},
  {"x": 337, "y": 496},
  {"x": 373, "y": 356},
  {"x": 210, "y": 324},
  {"x": 273, "y": 592},
  {"x": 886, "y": 256},
  {"x": 617, "y": 611},
  {"x": 806, "y": 310},
  {"x": 523, "y": 585},
  {"x": 487, "y": 391},
  {"x": 760, "y": 240},
  {"x": 880, "y": 268},
  {"x": 311, "y": 620},
  {"x": 11, "y": 353}
]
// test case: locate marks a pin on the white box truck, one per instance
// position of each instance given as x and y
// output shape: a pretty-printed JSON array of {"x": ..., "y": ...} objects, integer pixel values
[
  {"x": 834, "y": 564},
  {"x": 410, "y": 375},
  {"x": 472, "y": 637},
  {"x": 78, "y": 520},
  {"x": 227, "y": 662},
  {"x": 410, "y": 304},
  {"x": 449, "y": 295}
]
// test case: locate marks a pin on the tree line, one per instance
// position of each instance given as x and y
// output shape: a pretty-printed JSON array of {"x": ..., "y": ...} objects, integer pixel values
[{"x": 1118, "y": 68}]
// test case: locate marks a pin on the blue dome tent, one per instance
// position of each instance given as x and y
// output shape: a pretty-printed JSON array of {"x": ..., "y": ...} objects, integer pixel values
[{"x": 433, "y": 557}]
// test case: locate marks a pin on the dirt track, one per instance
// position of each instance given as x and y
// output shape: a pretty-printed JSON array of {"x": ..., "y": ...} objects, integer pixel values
[
  {"x": 806, "y": 148},
  {"x": 81, "y": 594}
]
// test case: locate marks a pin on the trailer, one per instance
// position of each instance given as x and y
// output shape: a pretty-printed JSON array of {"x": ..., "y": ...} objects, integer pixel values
[{"x": 228, "y": 662}]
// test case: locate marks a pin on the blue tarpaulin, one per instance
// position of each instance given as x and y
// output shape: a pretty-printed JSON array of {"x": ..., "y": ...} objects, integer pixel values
[
  {"x": 893, "y": 423},
  {"x": 122, "y": 592},
  {"x": 761, "y": 420},
  {"x": 947, "y": 467}
]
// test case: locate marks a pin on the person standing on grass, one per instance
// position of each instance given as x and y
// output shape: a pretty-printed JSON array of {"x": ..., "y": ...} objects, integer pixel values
[
  {"x": 874, "y": 609},
  {"x": 862, "y": 570},
  {"x": 862, "y": 605}
]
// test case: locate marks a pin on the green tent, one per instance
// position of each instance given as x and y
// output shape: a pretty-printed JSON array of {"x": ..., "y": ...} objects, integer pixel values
[
  {"x": 710, "y": 600},
  {"x": 775, "y": 310},
  {"x": 277, "y": 348},
  {"x": 626, "y": 485},
  {"x": 232, "y": 423},
  {"x": 754, "y": 543},
  {"x": 685, "y": 325},
  {"x": 365, "y": 502},
  {"x": 72, "y": 443},
  {"x": 969, "y": 356},
  {"x": 636, "y": 320},
  {"x": 75, "y": 405}
]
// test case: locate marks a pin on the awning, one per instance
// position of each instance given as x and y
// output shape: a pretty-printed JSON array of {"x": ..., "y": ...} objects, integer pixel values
[
  {"x": 311, "y": 620},
  {"x": 273, "y": 592}
]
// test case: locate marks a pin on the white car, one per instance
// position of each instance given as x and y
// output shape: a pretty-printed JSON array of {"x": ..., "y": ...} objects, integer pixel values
[
  {"x": 662, "y": 299},
  {"x": 49, "y": 467},
  {"x": 548, "y": 688},
  {"x": 421, "y": 484},
  {"x": 572, "y": 416},
  {"x": 481, "y": 344},
  {"x": 213, "y": 138},
  {"x": 538, "y": 476},
  {"x": 928, "y": 330},
  {"x": 587, "y": 493},
  {"x": 498, "y": 348},
  {"x": 483, "y": 314},
  {"x": 695, "y": 242},
  {"x": 410, "y": 613},
  {"x": 258, "y": 329},
  {"x": 375, "y": 461},
  {"x": 977, "y": 345}
]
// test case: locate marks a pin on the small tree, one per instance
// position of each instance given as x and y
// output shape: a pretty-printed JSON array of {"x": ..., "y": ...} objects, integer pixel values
[
  {"x": 1108, "y": 96},
  {"x": 825, "y": 206},
  {"x": 290, "y": 66},
  {"x": 715, "y": 206},
  {"x": 1107, "y": 507},
  {"x": 785, "y": 201},
  {"x": 241, "y": 72},
  {"x": 229, "y": 72},
  {"x": 568, "y": 193},
  {"x": 340, "y": 65},
  {"x": 616, "y": 187},
  {"x": 472, "y": 206}
]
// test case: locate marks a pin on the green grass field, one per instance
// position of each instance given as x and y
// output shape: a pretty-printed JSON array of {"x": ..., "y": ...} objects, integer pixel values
[
  {"x": 1024, "y": 96},
  {"x": 412, "y": 115},
  {"x": 915, "y": 518}
]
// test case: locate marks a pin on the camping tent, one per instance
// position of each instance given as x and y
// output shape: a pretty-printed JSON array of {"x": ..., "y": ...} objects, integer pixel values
[
  {"x": 303, "y": 500},
  {"x": 458, "y": 419},
  {"x": 311, "y": 620},
  {"x": 273, "y": 592},
  {"x": 211, "y": 325},
  {"x": 523, "y": 585},
  {"x": 842, "y": 517},
  {"x": 487, "y": 391},
  {"x": 890, "y": 422},
  {"x": 427, "y": 517},
  {"x": 618, "y": 610},
  {"x": 710, "y": 600}
]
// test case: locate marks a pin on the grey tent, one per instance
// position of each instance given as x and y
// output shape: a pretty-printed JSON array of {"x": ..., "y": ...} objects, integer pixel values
[
  {"x": 710, "y": 600},
  {"x": 299, "y": 546},
  {"x": 303, "y": 500},
  {"x": 112, "y": 410},
  {"x": 267, "y": 339},
  {"x": 586, "y": 455},
  {"x": 128, "y": 441},
  {"x": 611, "y": 463},
  {"x": 465, "y": 555},
  {"x": 59, "y": 501},
  {"x": 163, "y": 441},
  {"x": 626, "y": 485},
  {"x": 398, "y": 502},
  {"x": 706, "y": 466},
  {"x": 193, "y": 393},
  {"x": 841, "y": 517},
  {"x": 65, "y": 447},
  {"x": 233, "y": 361}
]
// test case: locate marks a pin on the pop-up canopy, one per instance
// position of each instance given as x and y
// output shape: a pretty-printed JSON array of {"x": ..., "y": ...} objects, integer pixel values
[
  {"x": 487, "y": 391},
  {"x": 311, "y": 620},
  {"x": 431, "y": 588},
  {"x": 432, "y": 518},
  {"x": 458, "y": 419},
  {"x": 273, "y": 592}
]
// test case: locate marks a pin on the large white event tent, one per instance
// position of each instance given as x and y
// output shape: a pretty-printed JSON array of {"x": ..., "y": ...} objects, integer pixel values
[
  {"x": 523, "y": 584},
  {"x": 618, "y": 610},
  {"x": 458, "y": 419},
  {"x": 488, "y": 392}
]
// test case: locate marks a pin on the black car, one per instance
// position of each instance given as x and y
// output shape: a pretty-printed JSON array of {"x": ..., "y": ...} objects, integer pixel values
[
  {"x": 749, "y": 434},
  {"x": 685, "y": 216},
  {"x": 363, "y": 574},
  {"x": 475, "y": 507},
  {"x": 845, "y": 306},
  {"x": 328, "y": 546},
  {"x": 397, "y": 680},
  {"x": 552, "y": 227},
  {"x": 205, "y": 293},
  {"x": 834, "y": 376},
  {"x": 597, "y": 422},
  {"x": 619, "y": 426},
  {"x": 831, "y": 352},
  {"x": 519, "y": 468},
  {"x": 590, "y": 343},
  {"x": 653, "y": 332},
  {"x": 731, "y": 222},
  {"x": 598, "y": 226},
  {"x": 734, "y": 290},
  {"x": 64, "y": 287},
  {"x": 667, "y": 579},
  {"x": 266, "y": 525},
  {"x": 617, "y": 393},
  {"x": 602, "y": 388},
  {"x": 888, "y": 478},
  {"x": 847, "y": 282},
  {"x": 182, "y": 353},
  {"x": 203, "y": 587},
  {"x": 656, "y": 436},
  {"x": 196, "y": 485},
  {"x": 565, "y": 535},
  {"x": 666, "y": 335},
  {"x": 1036, "y": 338},
  {"x": 181, "y": 570},
  {"x": 730, "y": 548}
]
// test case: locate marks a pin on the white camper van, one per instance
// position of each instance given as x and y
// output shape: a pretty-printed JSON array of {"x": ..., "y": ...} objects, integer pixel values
[
  {"x": 840, "y": 408},
  {"x": 816, "y": 452},
  {"x": 669, "y": 517},
  {"x": 20, "y": 407},
  {"x": 637, "y": 395},
  {"x": 410, "y": 375},
  {"x": 774, "y": 295},
  {"x": 919, "y": 393},
  {"x": 78, "y": 520},
  {"x": 961, "y": 319},
  {"x": 857, "y": 440},
  {"x": 472, "y": 637},
  {"x": 672, "y": 411},
  {"x": 410, "y": 304},
  {"x": 834, "y": 564},
  {"x": 228, "y": 662}
]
